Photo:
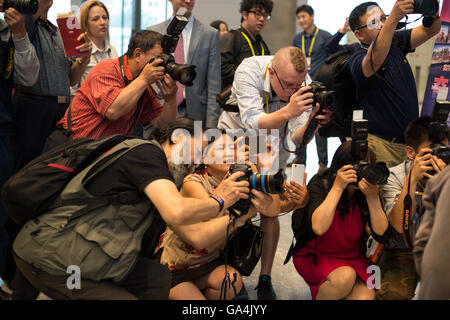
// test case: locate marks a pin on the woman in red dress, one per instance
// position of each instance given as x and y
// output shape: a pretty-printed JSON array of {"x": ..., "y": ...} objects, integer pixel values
[{"x": 331, "y": 258}]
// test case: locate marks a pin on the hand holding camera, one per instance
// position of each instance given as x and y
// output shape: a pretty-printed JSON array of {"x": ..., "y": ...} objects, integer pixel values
[
  {"x": 296, "y": 193},
  {"x": 152, "y": 72},
  {"x": 168, "y": 88},
  {"x": 232, "y": 189},
  {"x": 422, "y": 167},
  {"x": 299, "y": 102},
  {"x": 15, "y": 22},
  {"x": 401, "y": 9},
  {"x": 264, "y": 203},
  {"x": 344, "y": 177},
  {"x": 370, "y": 190}
]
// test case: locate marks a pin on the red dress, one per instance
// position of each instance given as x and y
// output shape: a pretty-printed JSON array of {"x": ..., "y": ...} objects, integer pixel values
[{"x": 338, "y": 247}]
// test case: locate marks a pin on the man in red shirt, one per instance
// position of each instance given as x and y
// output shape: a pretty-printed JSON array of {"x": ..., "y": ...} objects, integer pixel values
[{"x": 105, "y": 105}]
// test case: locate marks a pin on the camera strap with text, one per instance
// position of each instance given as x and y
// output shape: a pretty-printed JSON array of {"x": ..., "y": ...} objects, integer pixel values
[{"x": 407, "y": 215}]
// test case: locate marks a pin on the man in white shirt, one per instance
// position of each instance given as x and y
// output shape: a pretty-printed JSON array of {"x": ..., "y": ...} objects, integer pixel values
[{"x": 271, "y": 92}]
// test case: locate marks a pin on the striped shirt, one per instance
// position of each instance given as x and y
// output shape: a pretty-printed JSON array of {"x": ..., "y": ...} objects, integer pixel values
[{"x": 97, "y": 92}]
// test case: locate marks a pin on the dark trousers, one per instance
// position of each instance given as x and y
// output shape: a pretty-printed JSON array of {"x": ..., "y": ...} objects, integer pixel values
[
  {"x": 148, "y": 280},
  {"x": 6, "y": 169},
  {"x": 322, "y": 151},
  {"x": 34, "y": 121}
]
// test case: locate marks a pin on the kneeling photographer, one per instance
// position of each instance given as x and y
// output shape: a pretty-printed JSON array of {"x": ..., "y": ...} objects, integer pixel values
[
  {"x": 428, "y": 153},
  {"x": 195, "y": 253},
  {"x": 330, "y": 250}
]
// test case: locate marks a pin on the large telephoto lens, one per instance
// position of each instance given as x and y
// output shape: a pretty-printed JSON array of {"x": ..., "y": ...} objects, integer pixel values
[
  {"x": 183, "y": 73},
  {"x": 375, "y": 174},
  {"x": 268, "y": 183},
  {"x": 23, "y": 6}
]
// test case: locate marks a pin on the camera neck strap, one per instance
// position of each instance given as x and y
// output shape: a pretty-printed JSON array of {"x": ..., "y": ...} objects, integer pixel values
[
  {"x": 127, "y": 82},
  {"x": 407, "y": 214}
]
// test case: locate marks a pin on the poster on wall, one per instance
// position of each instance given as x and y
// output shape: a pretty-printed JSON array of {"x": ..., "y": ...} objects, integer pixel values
[{"x": 439, "y": 77}]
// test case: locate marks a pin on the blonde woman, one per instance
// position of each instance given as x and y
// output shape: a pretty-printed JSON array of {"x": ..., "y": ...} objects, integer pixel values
[{"x": 94, "y": 19}]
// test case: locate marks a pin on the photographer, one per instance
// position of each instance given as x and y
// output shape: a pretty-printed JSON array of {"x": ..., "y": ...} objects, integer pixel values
[
  {"x": 384, "y": 81},
  {"x": 18, "y": 64},
  {"x": 399, "y": 278},
  {"x": 106, "y": 105},
  {"x": 431, "y": 245},
  {"x": 271, "y": 92},
  {"x": 331, "y": 259},
  {"x": 194, "y": 252},
  {"x": 114, "y": 245}
]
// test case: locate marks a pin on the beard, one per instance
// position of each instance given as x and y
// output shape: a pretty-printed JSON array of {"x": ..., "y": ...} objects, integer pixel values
[{"x": 180, "y": 171}]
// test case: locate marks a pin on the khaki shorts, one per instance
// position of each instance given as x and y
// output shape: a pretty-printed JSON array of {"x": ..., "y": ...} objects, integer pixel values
[{"x": 385, "y": 151}]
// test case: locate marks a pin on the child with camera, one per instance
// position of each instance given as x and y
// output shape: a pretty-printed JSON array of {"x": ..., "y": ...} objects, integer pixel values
[{"x": 331, "y": 245}]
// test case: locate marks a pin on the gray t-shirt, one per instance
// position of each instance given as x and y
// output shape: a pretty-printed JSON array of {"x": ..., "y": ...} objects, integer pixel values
[{"x": 391, "y": 192}]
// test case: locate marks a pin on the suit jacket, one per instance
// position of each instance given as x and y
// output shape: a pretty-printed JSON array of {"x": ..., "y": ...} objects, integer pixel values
[{"x": 204, "y": 52}]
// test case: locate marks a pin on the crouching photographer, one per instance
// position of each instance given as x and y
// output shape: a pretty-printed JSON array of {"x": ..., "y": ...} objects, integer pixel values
[
  {"x": 428, "y": 153},
  {"x": 330, "y": 250},
  {"x": 113, "y": 243},
  {"x": 195, "y": 253}
]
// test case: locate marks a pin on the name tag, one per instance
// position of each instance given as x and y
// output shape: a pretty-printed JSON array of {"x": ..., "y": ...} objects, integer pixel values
[{"x": 308, "y": 60}]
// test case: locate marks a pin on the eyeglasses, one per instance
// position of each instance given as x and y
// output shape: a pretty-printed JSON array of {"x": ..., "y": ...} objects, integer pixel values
[
  {"x": 291, "y": 90},
  {"x": 374, "y": 23},
  {"x": 260, "y": 15}
]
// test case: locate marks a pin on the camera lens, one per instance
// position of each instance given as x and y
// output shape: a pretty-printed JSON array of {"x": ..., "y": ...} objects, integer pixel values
[
  {"x": 375, "y": 174},
  {"x": 23, "y": 6},
  {"x": 268, "y": 183},
  {"x": 183, "y": 73}
]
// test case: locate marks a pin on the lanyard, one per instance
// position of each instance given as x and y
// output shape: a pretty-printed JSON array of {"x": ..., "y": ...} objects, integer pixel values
[
  {"x": 250, "y": 44},
  {"x": 312, "y": 42},
  {"x": 267, "y": 94}
]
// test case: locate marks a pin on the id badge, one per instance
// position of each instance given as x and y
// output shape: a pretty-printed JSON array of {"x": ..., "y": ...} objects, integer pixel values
[{"x": 308, "y": 60}]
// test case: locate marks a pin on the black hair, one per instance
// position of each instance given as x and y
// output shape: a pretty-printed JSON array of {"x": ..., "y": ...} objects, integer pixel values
[
  {"x": 164, "y": 134},
  {"x": 342, "y": 157},
  {"x": 356, "y": 14},
  {"x": 417, "y": 132},
  {"x": 216, "y": 24},
  {"x": 145, "y": 40},
  {"x": 305, "y": 8},
  {"x": 247, "y": 5}
]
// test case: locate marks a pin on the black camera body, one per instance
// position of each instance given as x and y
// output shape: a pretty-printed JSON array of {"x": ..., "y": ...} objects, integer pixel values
[
  {"x": 438, "y": 131},
  {"x": 23, "y": 6},
  {"x": 374, "y": 173},
  {"x": 321, "y": 95},
  {"x": 266, "y": 183},
  {"x": 427, "y": 8},
  {"x": 183, "y": 73}
]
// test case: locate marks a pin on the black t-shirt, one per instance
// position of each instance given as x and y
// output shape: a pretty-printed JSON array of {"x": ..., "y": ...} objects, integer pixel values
[{"x": 133, "y": 171}]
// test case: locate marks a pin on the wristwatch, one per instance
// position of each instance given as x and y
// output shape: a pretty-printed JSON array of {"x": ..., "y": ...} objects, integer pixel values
[{"x": 219, "y": 201}]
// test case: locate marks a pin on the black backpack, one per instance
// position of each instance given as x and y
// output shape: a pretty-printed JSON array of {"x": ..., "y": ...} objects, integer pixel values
[
  {"x": 31, "y": 191},
  {"x": 335, "y": 75}
]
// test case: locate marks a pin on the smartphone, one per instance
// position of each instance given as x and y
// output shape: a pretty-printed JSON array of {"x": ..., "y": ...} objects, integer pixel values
[{"x": 298, "y": 173}]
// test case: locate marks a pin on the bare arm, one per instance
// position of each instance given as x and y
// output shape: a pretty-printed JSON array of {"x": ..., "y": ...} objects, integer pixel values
[
  {"x": 323, "y": 216},
  {"x": 79, "y": 66},
  {"x": 378, "y": 219},
  {"x": 130, "y": 95},
  {"x": 376, "y": 54}
]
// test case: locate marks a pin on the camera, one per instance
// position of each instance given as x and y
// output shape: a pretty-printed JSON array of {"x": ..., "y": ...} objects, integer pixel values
[
  {"x": 321, "y": 95},
  {"x": 266, "y": 183},
  {"x": 325, "y": 99},
  {"x": 427, "y": 8},
  {"x": 23, "y": 6},
  {"x": 439, "y": 131},
  {"x": 183, "y": 73},
  {"x": 374, "y": 173}
]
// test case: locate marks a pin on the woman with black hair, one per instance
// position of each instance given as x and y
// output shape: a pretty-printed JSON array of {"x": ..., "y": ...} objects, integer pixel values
[{"x": 331, "y": 256}]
